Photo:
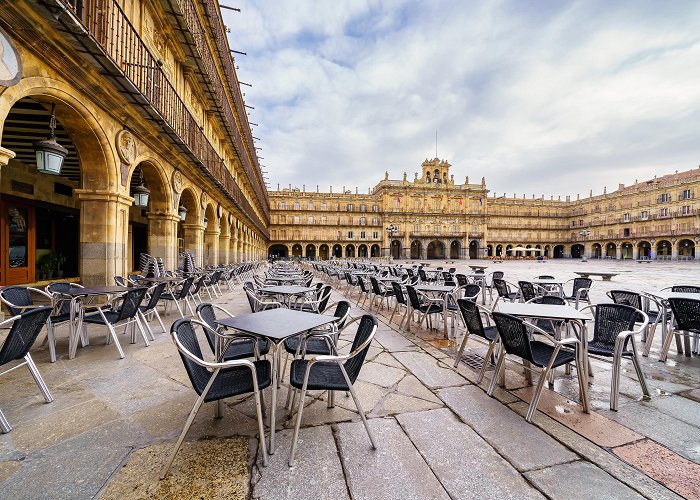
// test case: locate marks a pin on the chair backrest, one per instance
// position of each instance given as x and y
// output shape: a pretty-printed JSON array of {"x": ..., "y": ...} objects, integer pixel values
[
  {"x": 206, "y": 314},
  {"x": 580, "y": 283},
  {"x": 446, "y": 276},
  {"x": 398, "y": 293},
  {"x": 363, "y": 285},
  {"x": 342, "y": 310},
  {"x": 324, "y": 297},
  {"x": 626, "y": 297},
  {"x": 365, "y": 330},
  {"x": 513, "y": 334},
  {"x": 185, "y": 336},
  {"x": 610, "y": 320},
  {"x": 16, "y": 296},
  {"x": 471, "y": 316},
  {"x": 156, "y": 292},
  {"x": 687, "y": 314},
  {"x": 120, "y": 281},
  {"x": 453, "y": 270},
  {"x": 462, "y": 280},
  {"x": 552, "y": 300},
  {"x": 545, "y": 277},
  {"x": 501, "y": 287},
  {"x": 185, "y": 288},
  {"x": 198, "y": 284},
  {"x": 58, "y": 288},
  {"x": 527, "y": 290},
  {"x": 685, "y": 289},
  {"x": 497, "y": 275},
  {"x": 422, "y": 275},
  {"x": 375, "y": 285},
  {"x": 471, "y": 290},
  {"x": 413, "y": 297},
  {"x": 23, "y": 333},
  {"x": 131, "y": 301}
]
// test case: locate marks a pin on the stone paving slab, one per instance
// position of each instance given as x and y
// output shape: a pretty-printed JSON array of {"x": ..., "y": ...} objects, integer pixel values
[
  {"x": 395, "y": 470},
  {"x": 394, "y": 342},
  {"x": 385, "y": 376},
  {"x": 600, "y": 457},
  {"x": 505, "y": 430},
  {"x": 317, "y": 472},
  {"x": 77, "y": 467},
  {"x": 429, "y": 371},
  {"x": 579, "y": 480},
  {"x": 463, "y": 462},
  {"x": 679, "y": 474},
  {"x": 593, "y": 426}
]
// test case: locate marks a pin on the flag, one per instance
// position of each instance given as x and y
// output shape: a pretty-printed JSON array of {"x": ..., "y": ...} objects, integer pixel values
[
  {"x": 460, "y": 200},
  {"x": 398, "y": 199},
  {"x": 481, "y": 201}
]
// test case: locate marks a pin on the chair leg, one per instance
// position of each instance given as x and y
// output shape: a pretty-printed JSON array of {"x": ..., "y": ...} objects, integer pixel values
[
  {"x": 113, "y": 335},
  {"x": 485, "y": 364},
  {"x": 359, "y": 407},
  {"x": 4, "y": 424},
  {"x": 141, "y": 329},
  {"x": 300, "y": 410},
  {"x": 499, "y": 367},
  {"x": 638, "y": 369},
  {"x": 50, "y": 336},
  {"x": 157, "y": 315},
  {"x": 188, "y": 423},
  {"x": 538, "y": 391},
  {"x": 142, "y": 316},
  {"x": 38, "y": 379},
  {"x": 458, "y": 357}
]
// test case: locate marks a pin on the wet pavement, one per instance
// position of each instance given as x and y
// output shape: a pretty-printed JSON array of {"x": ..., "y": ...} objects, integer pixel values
[{"x": 439, "y": 435}]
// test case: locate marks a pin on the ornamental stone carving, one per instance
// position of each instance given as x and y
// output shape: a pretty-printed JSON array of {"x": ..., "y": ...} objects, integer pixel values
[
  {"x": 177, "y": 181},
  {"x": 126, "y": 146},
  {"x": 204, "y": 199}
]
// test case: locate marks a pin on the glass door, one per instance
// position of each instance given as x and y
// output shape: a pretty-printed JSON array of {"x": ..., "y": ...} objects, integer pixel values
[{"x": 17, "y": 244}]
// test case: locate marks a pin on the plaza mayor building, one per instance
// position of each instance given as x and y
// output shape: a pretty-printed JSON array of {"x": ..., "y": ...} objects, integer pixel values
[{"x": 124, "y": 131}]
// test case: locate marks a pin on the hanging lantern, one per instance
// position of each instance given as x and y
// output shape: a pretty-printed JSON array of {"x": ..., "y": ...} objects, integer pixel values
[
  {"x": 182, "y": 211},
  {"x": 206, "y": 222},
  {"x": 49, "y": 153},
  {"x": 141, "y": 193}
]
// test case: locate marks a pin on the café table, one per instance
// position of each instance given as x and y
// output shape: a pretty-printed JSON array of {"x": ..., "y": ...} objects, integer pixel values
[
  {"x": 443, "y": 291},
  {"x": 278, "y": 280},
  {"x": 565, "y": 313},
  {"x": 549, "y": 283},
  {"x": 275, "y": 325},
  {"x": 475, "y": 267},
  {"x": 663, "y": 296},
  {"x": 286, "y": 292}
]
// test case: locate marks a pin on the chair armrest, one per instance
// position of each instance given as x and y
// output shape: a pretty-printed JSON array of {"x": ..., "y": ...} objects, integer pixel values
[{"x": 10, "y": 320}]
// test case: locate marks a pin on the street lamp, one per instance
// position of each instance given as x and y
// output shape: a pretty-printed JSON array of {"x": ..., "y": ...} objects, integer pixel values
[
  {"x": 585, "y": 233},
  {"x": 49, "y": 153}
]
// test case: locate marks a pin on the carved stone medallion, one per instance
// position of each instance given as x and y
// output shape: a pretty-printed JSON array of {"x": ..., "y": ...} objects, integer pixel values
[
  {"x": 10, "y": 62},
  {"x": 204, "y": 199},
  {"x": 177, "y": 181},
  {"x": 126, "y": 146}
]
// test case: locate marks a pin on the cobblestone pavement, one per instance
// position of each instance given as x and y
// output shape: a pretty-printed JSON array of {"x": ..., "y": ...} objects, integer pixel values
[{"x": 439, "y": 435}]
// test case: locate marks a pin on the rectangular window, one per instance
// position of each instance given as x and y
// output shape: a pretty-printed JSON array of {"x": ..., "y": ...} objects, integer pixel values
[
  {"x": 283, "y": 219},
  {"x": 324, "y": 219},
  {"x": 297, "y": 205},
  {"x": 283, "y": 205},
  {"x": 375, "y": 235},
  {"x": 350, "y": 207},
  {"x": 310, "y": 206},
  {"x": 375, "y": 221},
  {"x": 580, "y": 223},
  {"x": 297, "y": 219},
  {"x": 644, "y": 215},
  {"x": 375, "y": 208},
  {"x": 363, "y": 207},
  {"x": 349, "y": 235},
  {"x": 663, "y": 212},
  {"x": 626, "y": 231},
  {"x": 437, "y": 229},
  {"x": 324, "y": 206},
  {"x": 686, "y": 194},
  {"x": 363, "y": 221},
  {"x": 685, "y": 210},
  {"x": 311, "y": 219},
  {"x": 665, "y": 198},
  {"x": 362, "y": 235},
  {"x": 626, "y": 217}
]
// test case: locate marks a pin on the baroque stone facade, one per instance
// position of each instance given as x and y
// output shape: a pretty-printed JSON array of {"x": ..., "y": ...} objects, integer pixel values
[
  {"x": 431, "y": 216},
  {"x": 144, "y": 92}
]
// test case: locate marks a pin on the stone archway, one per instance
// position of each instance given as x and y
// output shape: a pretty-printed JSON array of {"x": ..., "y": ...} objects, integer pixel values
[
  {"x": 596, "y": 251},
  {"x": 627, "y": 250},
  {"x": 455, "y": 249},
  {"x": 644, "y": 250},
  {"x": 323, "y": 252},
  {"x": 211, "y": 236},
  {"x": 558, "y": 252},
  {"x": 663, "y": 249},
  {"x": 278, "y": 251},
  {"x": 337, "y": 251},
  {"x": 350, "y": 251},
  {"x": 686, "y": 249},
  {"x": 473, "y": 249},
  {"x": 611, "y": 250},
  {"x": 375, "y": 251},
  {"x": 190, "y": 231},
  {"x": 362, "y": 251},
  {"x": 395, "y": 249},
  {"x": 436, "y": 250},
  {"x": 416, "y": 249},
  {"x": 296, "y": 250},
  {"x": 311, "y": 251}
]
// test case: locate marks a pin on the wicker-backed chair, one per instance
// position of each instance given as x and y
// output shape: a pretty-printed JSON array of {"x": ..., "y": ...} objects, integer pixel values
[
  {"x": 471, "y": 314},
  {"x": 527, "y": 291},
  {"x": 686, "y": 313},
  {"x": 153, "y": 295},
  {"x": 489, "y": 286},
  {"x": 514, "y": 335},
  {"x": 504, "y": 291},
  {"x": 24, "y": 331},
  {"x": 180, "y": 294},
  {"x": 639, "y": 301},
  {"x": 614, "y": 337},
  {"x": 580, "y": 291},
  {"x": 218, "y": 380},
  {"x": 400, "y": 302},
  {"x": 424, "y": 305},
  {"x": 240, "y": 346},
  {"x": 333, "y": 373},
  {"x": 381, "y": 292}
]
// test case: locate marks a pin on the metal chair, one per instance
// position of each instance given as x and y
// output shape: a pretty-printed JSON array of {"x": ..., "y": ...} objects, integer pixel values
[
  {"x": 490, "y": 286},
  {"x": 381, "y": 292},
  {"x": 637, "y": 300},
  {"x": 527, "y": 291},
  {"x": 126, "y": 313},
  {"x": 424, "y": 305},
  {"x": 316, "y": 305},
  {"x": 686, "y": 313},
  {"x": 24, "y": 331},
  {"x": 471, "y": 313},
  {"x": 215, "y": 381},
  {"x": 154, "y": 293},
  {"x": 613, "y": 337},
  {"x": 120, "y": 281},
  {"x": 400, "y": 301},
  {"x": 256, "y": 302},
  {"x": 240, "y": 346},
  {"x": 514, "y": 334},
  {"x": 181, "y": 292},
  {"x": 580, "y": 291},
  {"x": 333, "y": 373},
  {"x": 503, "y": 290}
]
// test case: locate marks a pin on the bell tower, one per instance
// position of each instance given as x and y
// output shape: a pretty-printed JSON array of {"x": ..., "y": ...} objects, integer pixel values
[{"x": 435, "y": 171}]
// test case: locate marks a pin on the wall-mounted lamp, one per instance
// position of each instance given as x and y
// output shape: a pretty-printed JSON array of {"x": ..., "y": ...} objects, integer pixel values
[
  {"x": 141, "y": 193},
  {"x": 182, "y": 212},
  {"x": 49, "y": 153}
]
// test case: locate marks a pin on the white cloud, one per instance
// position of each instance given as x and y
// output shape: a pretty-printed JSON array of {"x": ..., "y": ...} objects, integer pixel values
[{"x": 539, "y": 97}]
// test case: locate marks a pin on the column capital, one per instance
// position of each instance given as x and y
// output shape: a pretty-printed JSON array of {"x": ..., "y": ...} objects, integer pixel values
[
  {"x": 196, "y": 227},
  {"x": 103, "y": 195},
  {"x": 162, "y": 216},
  {"x": 5, "y": 156}
]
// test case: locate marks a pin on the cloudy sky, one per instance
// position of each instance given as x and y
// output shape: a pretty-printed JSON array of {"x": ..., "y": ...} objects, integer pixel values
[{"x": 540, "y": 97}]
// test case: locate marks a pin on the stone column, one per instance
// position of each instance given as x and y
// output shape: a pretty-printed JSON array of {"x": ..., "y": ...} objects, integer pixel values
[
  {"x": 635, "y": 252},
  {"x": 618, "y": 252},
  {"x": 697, "y": 250},
  {"x": 224, "y": 245},
  {"x": 104, "y": 227},
  {"x": 211, "y": 246},
  {"x": 194, "y": 241},
  {"x": 674, "y": 250},
  {"x": 162, "y": 237}
]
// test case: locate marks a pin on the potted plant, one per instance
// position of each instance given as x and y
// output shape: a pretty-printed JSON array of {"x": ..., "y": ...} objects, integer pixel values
[
  {"x": 45, "y": 266},
  {"x": 60, "y": 260}
]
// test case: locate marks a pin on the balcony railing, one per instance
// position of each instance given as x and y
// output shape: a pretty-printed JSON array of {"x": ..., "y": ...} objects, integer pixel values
[{"x": 110, "y": 28}]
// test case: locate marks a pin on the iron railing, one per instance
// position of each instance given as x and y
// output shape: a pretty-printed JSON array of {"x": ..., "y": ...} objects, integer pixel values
[{"x": 109, "y": 26}]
